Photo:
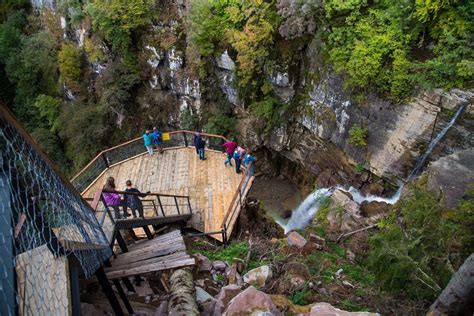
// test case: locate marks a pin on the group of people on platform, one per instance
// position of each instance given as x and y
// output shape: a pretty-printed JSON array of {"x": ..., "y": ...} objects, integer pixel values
[
  {"x": 151, "y": 139},
  {"x": 131, "y": 199},
  {"x": 231, "y": 148}
]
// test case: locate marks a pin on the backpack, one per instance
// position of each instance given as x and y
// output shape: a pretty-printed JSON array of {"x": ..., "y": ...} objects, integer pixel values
[{"x": 236, "y": 155}]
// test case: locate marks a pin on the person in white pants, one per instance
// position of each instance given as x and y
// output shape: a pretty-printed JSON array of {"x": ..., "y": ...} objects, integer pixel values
[{"x": 148, "y": 141}]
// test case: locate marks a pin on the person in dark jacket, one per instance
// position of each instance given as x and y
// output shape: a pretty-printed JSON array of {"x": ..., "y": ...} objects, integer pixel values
[
  {"x": 157, "y": 137},
  {"x": 200, "y": 147},
  {"x": 133, "y": 201},
  {"x": 196, "y": 137}
]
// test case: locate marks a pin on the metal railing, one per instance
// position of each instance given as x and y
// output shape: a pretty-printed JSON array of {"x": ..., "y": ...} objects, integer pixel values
[
  {"x": 159, "y": 206},
  {"x": 109, "y": 157},
  {"x": 237, "y": 203}
]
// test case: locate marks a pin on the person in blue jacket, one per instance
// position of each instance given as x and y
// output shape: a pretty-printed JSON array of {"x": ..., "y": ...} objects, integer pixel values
[
  {"x": 148, "y": 141},
  {"x": 157, "y": 138},
  {"x": 200, "y": 147},
  {"x": 248, "y": 159}
]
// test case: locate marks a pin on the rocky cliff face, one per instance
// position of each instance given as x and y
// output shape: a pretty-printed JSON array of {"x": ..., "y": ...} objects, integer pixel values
[{"x": 314, "y": 140}]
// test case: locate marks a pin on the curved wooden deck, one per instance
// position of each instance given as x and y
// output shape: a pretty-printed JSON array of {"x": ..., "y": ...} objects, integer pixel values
[{"x": 210, "y": 185}]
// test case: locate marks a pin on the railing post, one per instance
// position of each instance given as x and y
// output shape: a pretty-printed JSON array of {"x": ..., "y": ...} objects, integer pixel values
[
  {"x": 105, "y": 160},
  {"x": 177, "y": 206},
  {"x": 189, "y": 205},
  {"x": 154, "y": 207},
  {"x": 161, "y": 206},
  {"x": 185, "y": 140}
]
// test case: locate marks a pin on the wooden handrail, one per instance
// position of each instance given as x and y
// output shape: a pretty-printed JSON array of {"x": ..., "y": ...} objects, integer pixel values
[
  {"x": 237, "y": 192},
  {"x": 137, "y": 139}
]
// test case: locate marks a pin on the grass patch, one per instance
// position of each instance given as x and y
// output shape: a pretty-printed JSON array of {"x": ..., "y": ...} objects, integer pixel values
[
  {"x": 235, "y": 250},
  {"x": 301, "y": 297}
]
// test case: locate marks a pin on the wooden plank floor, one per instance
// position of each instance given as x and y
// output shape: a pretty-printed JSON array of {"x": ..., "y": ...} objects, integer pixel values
[
  {"x": 209, "y": 184},
  {"x": 164, "y": 252}
]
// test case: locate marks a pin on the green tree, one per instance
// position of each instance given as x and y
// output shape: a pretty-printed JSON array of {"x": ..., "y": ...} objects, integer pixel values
[
  {"x": 70, "y": 60},
  {"x": 49, "y": 109},
  {"x": 116, "y": 20}
]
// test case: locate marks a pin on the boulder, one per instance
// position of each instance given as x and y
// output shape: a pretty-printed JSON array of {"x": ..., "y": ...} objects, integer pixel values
[
  {"x": 449, "y": 177},
  {"x": 326, "y": 309},
  {"x": 226, "y": 294},
  {"x": 343, "y": 199},
  {"x": 233, "y": 277},
  {"x": 203, "y": 263},
  {"x": 374, "y": 208},
  {"x": 252, "y": 302},
  {"x": 296, "y": 240},
  {"x": 258, "y": 276},
  {"x": 202, "y": 296},
  {"x": 209, "y": 308},
  {"x": 219, "y": 265}
]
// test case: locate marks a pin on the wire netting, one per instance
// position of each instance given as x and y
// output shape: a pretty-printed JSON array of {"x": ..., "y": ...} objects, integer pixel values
[{"x": 43, "y": 222}]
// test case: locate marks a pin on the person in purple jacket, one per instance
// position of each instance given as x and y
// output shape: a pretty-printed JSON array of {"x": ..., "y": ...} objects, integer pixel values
[
  {"x": 229, "y": 147},
  {"x": 113, "y": 199}
]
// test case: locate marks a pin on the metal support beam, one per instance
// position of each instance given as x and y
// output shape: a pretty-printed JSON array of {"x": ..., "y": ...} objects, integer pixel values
[
  {"x": 108, "y": 291},
  {"x": 121, "y": 242},
  {"x": 75, "y": 292},
  {"x": 123, "y": 296},
  {"x": 148, "y": 233}
]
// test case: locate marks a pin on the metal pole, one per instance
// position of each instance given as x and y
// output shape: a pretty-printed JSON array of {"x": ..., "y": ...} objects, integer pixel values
[
  {"x": 189, "y": 205},
  {"x": 123, "y": 296},
  {"x": 75, "y": 291},
  {"x": 105, "y": 160},
  {"x": 161, "y": 206},
  {"x": 108, "y": 291},
  {"x": 185, "y": 140},
  {"x": 177, "y": 206}
]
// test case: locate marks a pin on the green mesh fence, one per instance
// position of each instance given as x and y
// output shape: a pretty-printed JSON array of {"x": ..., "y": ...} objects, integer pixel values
[{"x": 43, "y": 222}]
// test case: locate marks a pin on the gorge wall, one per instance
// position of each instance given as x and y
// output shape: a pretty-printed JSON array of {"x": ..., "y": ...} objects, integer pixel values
[{"x": 311, "y": 143}]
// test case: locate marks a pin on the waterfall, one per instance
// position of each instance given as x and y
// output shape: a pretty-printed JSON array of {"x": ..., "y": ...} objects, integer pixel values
[
  {"x": 419, "y": 163},
  {"x": 305, "y": 212}
]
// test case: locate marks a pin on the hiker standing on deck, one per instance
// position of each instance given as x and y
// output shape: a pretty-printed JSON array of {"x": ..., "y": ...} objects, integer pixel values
[
  {"x": 248, "y": 159},
  {"x": 113, "y": 199},
  {"x": 229, "y": 147},
  {"x": 239, "y": 154},
  {"x": 196, "y": 136},
  {"x": 157, "y": 138},
  {"x": 133, "y": 201},
  {"x": 200, "y": 147},
  {"x": 148, "y": 141}
]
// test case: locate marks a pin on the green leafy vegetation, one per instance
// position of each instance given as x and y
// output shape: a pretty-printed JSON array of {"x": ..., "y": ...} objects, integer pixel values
[
  {"x": 70, "y": 59},
  {"x": 301, "y": 297},
  {"x": 418, "y": 257},
  {"x": 358, "y": 135}
]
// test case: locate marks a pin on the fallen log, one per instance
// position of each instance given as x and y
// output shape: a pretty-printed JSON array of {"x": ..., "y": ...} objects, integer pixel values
[
  {"x": 458, "y": 296},
  {"x": 342, "y": 236},
  {"x": 182, "y": 294}
]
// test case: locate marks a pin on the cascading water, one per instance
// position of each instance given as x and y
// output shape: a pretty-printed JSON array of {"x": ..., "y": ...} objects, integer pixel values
[{"x": 305, "y": 212}]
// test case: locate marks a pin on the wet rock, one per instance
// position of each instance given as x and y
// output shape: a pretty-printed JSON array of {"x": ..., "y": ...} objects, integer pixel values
[
  {"x": 202, "y": 296},
  {"x": 327, "y": 309},
  {"x": 344, "y": 200},
  {"x": 219, "y": 265},
  {"x": 252, "y": 302},
  {"x": 258, "y": 276},
  {"x": 286, "y": 213},
  {"x": 296, "y": 240},
  {"x": 449, "y": 177},
  {"x": 374, "y": 208},
  {"x": 226, "y": 294},
  {"x": 203, "y": 263}
]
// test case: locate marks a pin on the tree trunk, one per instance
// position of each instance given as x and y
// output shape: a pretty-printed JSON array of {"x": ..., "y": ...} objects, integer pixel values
[
  {"x": 182, "y": 294},
  {"x": 458, "y": 296}
]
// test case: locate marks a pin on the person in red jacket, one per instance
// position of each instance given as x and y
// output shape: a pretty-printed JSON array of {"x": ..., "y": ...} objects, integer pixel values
[{"x": 229, "y": 147}]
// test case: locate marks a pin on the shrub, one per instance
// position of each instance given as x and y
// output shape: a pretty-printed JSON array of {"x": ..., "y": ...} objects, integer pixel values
[
  {"x": 49, "y": 108},
  {"x": 418, "y": 257},
  {"x": 271, "y": 110},
  {"x": 220, "y": 124},
  {"x": 70, "y": 59},
  {"x": 358, "y": 135}
]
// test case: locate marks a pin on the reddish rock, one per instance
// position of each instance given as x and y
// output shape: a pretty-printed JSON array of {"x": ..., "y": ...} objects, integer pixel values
[
  {"x": 219, "y": 265},
  {"x": 326, "y": 309},
  {"x": 226, "y": 294},
  {"x": 251, "y": 301},
  {"x": 258, "y": 276},
  {"x": 203, "y": 263},
  {"x": 296, "y": 240}
]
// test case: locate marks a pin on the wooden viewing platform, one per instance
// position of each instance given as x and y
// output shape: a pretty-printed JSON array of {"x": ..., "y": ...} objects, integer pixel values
[{"x": 215, "y": 192}]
